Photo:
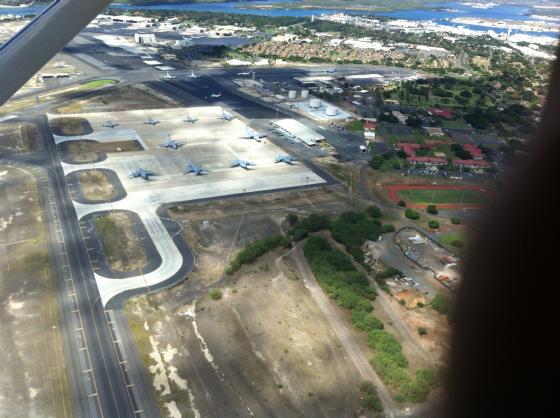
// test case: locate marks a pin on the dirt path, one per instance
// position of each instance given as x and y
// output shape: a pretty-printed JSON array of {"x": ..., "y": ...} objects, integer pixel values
[{"x": 340, "y": 328}]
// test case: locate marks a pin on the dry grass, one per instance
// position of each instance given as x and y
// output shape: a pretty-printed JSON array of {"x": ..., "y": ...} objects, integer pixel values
[
  {"x": 95, "y": 185},
  {"x": 121, "y": 245},
  {"x": 33, "y": 379}
]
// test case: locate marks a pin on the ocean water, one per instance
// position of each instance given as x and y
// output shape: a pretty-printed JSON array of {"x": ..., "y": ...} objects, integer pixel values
[{"x": 442, "y": 13}]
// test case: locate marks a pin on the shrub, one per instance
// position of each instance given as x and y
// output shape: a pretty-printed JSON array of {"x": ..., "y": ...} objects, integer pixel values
[
  {"x": 370, "y": 398},
  {"x": 432, "y": 209},
  {"x": 422, "y": 331},
  {"x": 457, "y": 243},
  {"x": 255, "y": 249},
  {"x": 441, "y": 304},
  {"x": 411, "y": 214},
  {"x": 388, "y": 228},
  {"x": 216, "y": 294},
  {"x": 456, "y": 221},
  {"x": 433, "y": 224},
  {"x": 292, "y": 218},
  {"x": 401, "y": 203}
]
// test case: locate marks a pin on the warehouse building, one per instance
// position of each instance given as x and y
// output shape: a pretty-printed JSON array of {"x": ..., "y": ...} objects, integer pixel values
[{"x": 299, "y": 131}]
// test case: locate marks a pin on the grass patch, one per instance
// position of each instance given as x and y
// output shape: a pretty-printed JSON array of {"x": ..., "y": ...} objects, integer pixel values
[
  {"x": 355, "y": 126},
  {"x": 449, "y": 239},
  {"x": 90, "y": 85}
]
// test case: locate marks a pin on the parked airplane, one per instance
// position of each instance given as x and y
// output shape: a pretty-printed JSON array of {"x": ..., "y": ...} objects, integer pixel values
[
  {"x": 330, "y": 71},
  {"x": 190, "y": 119},
  {"x": 171, "y": 143},
  {"x": 193, "y": 75},
  {"x": 140, "y": 172},
  {"x": 216, "y": 95},
  {"x": 226, "y": 116},
  {"x": 244, "y": 73},
  {"x": 110, "y": 124},
  {"x": 284, "y": 158},
  {"x": 151, "y": 121},
  {"x": 193, "y": 168},
  {"x": 251, "y": 134},
  {"x": 241, "y": 163},
  {"x": 168, "y": 76}
]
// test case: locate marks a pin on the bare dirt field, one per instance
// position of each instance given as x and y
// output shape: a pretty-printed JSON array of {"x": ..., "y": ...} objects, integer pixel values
[
  {"x": 121, "y": 245},
  {"x": 86, "y": 151},
  {"x": 264, "y": 348},
  {"x": 436, "y": 341},
  {"x": 32, "y": 370},
  {"x": 70, "y": 126},
  {"x": 115, "y": 99},
  {"x": 19, "y": 137},
  {"x": 95, "y": 185},
  {"x": 231, "y": 223}
]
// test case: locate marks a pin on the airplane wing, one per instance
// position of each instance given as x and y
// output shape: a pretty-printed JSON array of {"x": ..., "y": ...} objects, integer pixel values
[{"x": 32, "y": 47}]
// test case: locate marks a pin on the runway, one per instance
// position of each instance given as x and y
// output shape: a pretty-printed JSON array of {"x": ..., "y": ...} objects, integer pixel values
[{"x": 101, "y": 365}]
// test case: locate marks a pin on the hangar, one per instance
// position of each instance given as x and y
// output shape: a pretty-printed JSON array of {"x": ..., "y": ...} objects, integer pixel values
[{"x": 300, "y": 131}]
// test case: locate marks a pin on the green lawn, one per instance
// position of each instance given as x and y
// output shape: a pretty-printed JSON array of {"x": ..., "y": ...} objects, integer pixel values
[
  {"x": 355, "y": 126},
  {"x": 417, "y": 135},
  {"x": 96, "y": 84},
  {"x": 426, "y": 196},
  {"x": 447, "y": 238}
]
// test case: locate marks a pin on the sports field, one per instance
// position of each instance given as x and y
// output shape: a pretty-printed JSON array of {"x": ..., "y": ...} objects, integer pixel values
[{"x": 444, "y": 196}]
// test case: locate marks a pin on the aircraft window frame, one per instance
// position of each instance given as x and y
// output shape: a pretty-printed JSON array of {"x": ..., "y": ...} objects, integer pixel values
[{"x": 23, "y": 30}]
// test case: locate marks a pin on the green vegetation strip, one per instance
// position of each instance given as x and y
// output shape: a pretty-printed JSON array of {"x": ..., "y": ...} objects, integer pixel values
[
  {"x": 350, "y": 289},
  {"x": 255, "y": 249},
  {"x": 426, "y": 196}
]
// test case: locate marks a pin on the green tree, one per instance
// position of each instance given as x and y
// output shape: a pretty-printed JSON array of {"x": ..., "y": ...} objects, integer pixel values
[
  {"x": 374, "y": 212},
  {"x": 432, "y": 209},
  {"x": 411, "y": 214}
]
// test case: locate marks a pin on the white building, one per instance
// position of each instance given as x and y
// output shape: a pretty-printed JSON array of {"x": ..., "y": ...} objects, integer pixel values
[
  {"x": 145, "y": 38},
  {"x": 299, "y": 131}
]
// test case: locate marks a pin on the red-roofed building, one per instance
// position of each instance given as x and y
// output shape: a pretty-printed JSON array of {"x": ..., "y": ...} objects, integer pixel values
[
  {"x": 442, "y": 113},
  {"x": 408, "y": 148},
  {"x": 476, "y": 165},
  {"x": 430, "y": 161},
  {"x": 474, "y": 151},
  {"x": 369, "y": 126}
]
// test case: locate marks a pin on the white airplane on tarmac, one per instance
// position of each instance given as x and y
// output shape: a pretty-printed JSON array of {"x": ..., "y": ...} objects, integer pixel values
[
  {"x": 168, "y": 76},
  {"x": 190, "y": 119},
  {"x": 193, "y": 75}
]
